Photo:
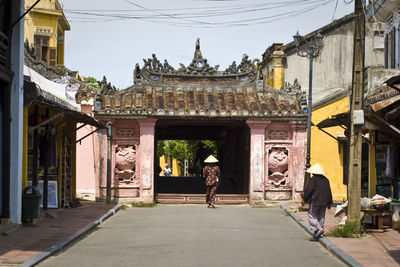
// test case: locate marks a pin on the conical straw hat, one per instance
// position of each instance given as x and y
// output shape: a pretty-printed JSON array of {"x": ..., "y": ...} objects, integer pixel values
[
  {"x": 316, "y": 169},
  {"x": 211, "y": 159}
]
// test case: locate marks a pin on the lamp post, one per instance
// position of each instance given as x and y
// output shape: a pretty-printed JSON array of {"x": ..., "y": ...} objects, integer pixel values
[{"x": 311, "y": 50}]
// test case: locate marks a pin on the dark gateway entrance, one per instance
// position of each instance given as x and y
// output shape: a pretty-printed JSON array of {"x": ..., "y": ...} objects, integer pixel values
[
  {"x": 233, "y": 143},
  {"x": 257, "y": 132}
]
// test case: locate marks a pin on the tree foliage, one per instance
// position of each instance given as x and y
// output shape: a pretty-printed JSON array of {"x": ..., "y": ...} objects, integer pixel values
[
  {"x": 91, "y": 81},
  {"x": 184, "y": 149}
]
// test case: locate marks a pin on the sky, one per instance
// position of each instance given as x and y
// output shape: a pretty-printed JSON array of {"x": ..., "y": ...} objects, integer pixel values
[{"x": 107, "y": 38}]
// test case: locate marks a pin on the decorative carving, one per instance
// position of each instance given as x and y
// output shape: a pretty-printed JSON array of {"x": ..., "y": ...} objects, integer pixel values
[
  {"x": 125, "y": 164},
  {"x": 278, "y": 169},
  {"x": 126, "y": 133},
  {"x": 106, "y": 88},
  {"x": 278, "y": 135},
  {"x": 154, "y": 65},
  {"x": 30, "y": 49},
  {"x": 198, "y": 67},
  {"x": 293, "y": 89}
]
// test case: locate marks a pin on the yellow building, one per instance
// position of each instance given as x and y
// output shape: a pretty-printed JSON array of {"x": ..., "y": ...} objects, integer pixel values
[
  {"x": 272, "y": 67},
  {"x": 327, "y": 148},
  {"x": 50, "y": 121},
  {"x": 44, "y": 29},
  {"x": 328, "y": 145}
]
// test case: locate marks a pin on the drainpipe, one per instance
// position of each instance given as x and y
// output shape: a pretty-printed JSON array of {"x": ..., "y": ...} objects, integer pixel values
[{"x": 109, "y": 147}]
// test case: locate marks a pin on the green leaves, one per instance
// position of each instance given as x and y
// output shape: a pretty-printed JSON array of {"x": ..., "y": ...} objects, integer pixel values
[{"x": 184, "y": 149}]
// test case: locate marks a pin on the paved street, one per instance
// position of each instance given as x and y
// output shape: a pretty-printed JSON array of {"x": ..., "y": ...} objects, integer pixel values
[{"x": 192, "y": 235}]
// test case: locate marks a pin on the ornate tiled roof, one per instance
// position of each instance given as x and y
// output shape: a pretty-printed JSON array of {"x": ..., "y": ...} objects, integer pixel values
[{"x": 195, "y": 90}]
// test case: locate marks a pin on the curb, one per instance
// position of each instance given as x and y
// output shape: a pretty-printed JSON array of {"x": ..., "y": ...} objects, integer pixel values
[
  {"x": 343, "y": 256},
  {"x": 63, "y": 243}
]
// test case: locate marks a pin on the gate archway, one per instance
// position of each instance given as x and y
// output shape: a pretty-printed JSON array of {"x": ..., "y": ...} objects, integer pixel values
[{"x": 255, "y": 126}]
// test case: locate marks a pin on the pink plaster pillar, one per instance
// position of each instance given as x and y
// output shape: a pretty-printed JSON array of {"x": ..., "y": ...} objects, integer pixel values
[
  {"x": 85, "y": 159},
  {"x": 146, "y": 159},
  {"x": 299, "y": 156},
  {"x": 257, "y": 176}
]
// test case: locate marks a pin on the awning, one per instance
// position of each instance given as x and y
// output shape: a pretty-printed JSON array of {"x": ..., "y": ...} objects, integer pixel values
[
  {"x": 385, "y": 103},
  {"x": 340, "y": 119},
  {"x": 392, "y": 82},
  {"x": 32, "y": 94}
]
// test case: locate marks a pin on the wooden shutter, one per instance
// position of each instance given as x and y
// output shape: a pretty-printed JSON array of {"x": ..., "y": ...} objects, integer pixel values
[
  {"x": 53, "y": 56},
  {"x": 45, "y": 41},
  {"x": 38, "y": 48}
]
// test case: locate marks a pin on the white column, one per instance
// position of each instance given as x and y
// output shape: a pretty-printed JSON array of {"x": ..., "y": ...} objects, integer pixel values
[{"x": 16, "y": 127}]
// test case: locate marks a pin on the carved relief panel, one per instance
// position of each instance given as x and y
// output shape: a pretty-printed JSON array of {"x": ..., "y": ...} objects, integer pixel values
[
  {"x": 125, "y": 165},
  {"x": 281, "y": 135},
  {"x": 126, "y": 133},
  {"x": 278, "y": 144},
  {"x": 278, "y": 168}
]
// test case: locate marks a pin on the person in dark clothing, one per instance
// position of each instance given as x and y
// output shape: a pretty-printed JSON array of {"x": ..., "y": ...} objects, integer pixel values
[
  {"x": 318, "y": 194},
  {"x": 212, "y": 174}
]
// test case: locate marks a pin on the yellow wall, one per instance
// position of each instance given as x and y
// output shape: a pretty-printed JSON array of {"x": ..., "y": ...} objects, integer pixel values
[
  {"x": 326, "y": 150},
  {"x": 46, "y": 16},
  {"x": 275, "y": 75},
  {"x": 274, "y": 67}
]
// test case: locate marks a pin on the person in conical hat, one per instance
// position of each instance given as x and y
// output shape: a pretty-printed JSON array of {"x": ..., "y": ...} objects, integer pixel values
[
  {"x": 210, "y": 159},
  {"x": 212, "y": 176},
  {"x": 318, "y": 194},
  {"x": 316, "y": 169}
]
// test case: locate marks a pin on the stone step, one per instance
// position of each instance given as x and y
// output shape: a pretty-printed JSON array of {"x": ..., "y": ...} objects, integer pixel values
[{"x": 201, "y": 198}]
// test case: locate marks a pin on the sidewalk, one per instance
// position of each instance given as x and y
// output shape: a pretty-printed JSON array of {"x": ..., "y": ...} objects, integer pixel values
[
  {"x": 19, "y": 243},
  {"x": 375, "y": 249}
]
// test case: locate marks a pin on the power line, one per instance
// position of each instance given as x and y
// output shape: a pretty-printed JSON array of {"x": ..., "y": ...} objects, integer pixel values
[{"x": 186, "y": 19}]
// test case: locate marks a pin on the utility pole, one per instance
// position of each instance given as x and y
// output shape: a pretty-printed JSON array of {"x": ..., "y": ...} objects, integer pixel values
[{"x": 357, "y": 116}]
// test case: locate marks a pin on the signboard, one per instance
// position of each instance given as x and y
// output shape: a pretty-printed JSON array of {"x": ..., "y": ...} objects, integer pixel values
[{"x": 52, "y": 196}]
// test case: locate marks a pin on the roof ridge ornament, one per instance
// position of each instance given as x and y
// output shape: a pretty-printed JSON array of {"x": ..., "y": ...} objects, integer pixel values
[
  {"x": 197, "y": 52},
  {"x": 156, "y": 72},
  {"x": 106, "y": 88}
]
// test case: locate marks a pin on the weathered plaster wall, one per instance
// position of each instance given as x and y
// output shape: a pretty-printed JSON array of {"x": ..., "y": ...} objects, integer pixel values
[
  {"x": 332, "y": 69},
  {"x": 130, "y": 135},
  {"x": 277, "y": 160},
  {"x": 299, "y": 159},
  {"x": 326, "y": 150},
  {"x": 146, "y": 163},
  {"x": 85, "y": 160},
  {"x": 257, "y": 176}
]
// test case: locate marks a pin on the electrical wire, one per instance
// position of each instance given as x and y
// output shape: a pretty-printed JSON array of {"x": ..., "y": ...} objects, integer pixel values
[
  {"x": 187, "y": 19},
  {"x": 334, "y": 11}
]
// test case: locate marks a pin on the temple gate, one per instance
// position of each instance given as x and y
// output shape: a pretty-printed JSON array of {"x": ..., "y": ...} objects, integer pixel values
[{"x": 260, "y": 131}]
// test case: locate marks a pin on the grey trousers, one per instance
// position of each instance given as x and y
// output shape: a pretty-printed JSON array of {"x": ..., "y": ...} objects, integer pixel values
[{"x": 316, "y": 217}]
